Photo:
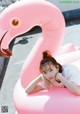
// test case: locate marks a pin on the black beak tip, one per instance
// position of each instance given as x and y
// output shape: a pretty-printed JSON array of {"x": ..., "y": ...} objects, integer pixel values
[{"x": 5, "y": 53}]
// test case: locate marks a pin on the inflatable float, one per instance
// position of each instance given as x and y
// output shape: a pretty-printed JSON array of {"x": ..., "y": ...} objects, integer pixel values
[{"x": 19, "y": 18}]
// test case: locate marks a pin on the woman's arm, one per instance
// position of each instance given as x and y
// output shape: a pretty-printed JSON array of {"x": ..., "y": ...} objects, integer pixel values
[
  {"x": 33, "y": 87},
  {"x": 71, "y": 86}
]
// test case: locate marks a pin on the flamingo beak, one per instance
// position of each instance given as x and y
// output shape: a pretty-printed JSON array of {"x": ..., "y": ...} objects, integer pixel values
[{"x": 4, "y": 52}]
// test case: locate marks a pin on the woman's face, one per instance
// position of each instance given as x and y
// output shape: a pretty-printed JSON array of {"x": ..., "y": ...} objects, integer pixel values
[{"x": 49, "y": 70}]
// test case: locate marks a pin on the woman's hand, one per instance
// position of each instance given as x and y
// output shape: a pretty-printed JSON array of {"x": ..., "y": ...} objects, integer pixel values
[
  {"x": 68, "y": 84},
  {"x": 57, "y": 76},
  {"x": 56, "y": 82}
]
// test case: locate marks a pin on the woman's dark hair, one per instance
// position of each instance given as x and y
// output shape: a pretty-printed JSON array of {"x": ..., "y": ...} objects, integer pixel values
[{"x": 47, "y": 57}]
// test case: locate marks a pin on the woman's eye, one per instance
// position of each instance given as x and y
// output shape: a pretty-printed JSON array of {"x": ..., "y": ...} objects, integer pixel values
[
  {"x": 50, "y": 70},
  {"x": 44, "y": 72}
]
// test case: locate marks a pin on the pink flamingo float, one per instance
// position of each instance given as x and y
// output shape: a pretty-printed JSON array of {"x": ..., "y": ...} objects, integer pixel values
[{"x": 19, "y": 18}]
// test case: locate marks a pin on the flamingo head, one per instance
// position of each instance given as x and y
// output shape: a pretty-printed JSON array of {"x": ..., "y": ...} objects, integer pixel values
[{"x": 14, "y": 20}]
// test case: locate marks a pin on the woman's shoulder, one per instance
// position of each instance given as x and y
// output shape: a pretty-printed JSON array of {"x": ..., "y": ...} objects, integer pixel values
[
  {"x": 72, "y": 73},
  {"x": 68, "y": 66},
  {"x": 69, "y": 69}
]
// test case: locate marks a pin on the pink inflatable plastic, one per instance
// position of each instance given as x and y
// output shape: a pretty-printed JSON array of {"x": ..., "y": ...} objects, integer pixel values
[{"x": 21, "y": 17}]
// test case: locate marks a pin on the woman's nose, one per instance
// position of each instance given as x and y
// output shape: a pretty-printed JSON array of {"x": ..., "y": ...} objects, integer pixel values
[{"x": 48, "y": 73}]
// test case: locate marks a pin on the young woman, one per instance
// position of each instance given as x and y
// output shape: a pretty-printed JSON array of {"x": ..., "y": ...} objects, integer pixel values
[{"x": 54, "y": 74}]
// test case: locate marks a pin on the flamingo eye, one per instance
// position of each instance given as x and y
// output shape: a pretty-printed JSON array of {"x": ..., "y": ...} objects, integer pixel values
[{"x": 15, "y": 22}]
